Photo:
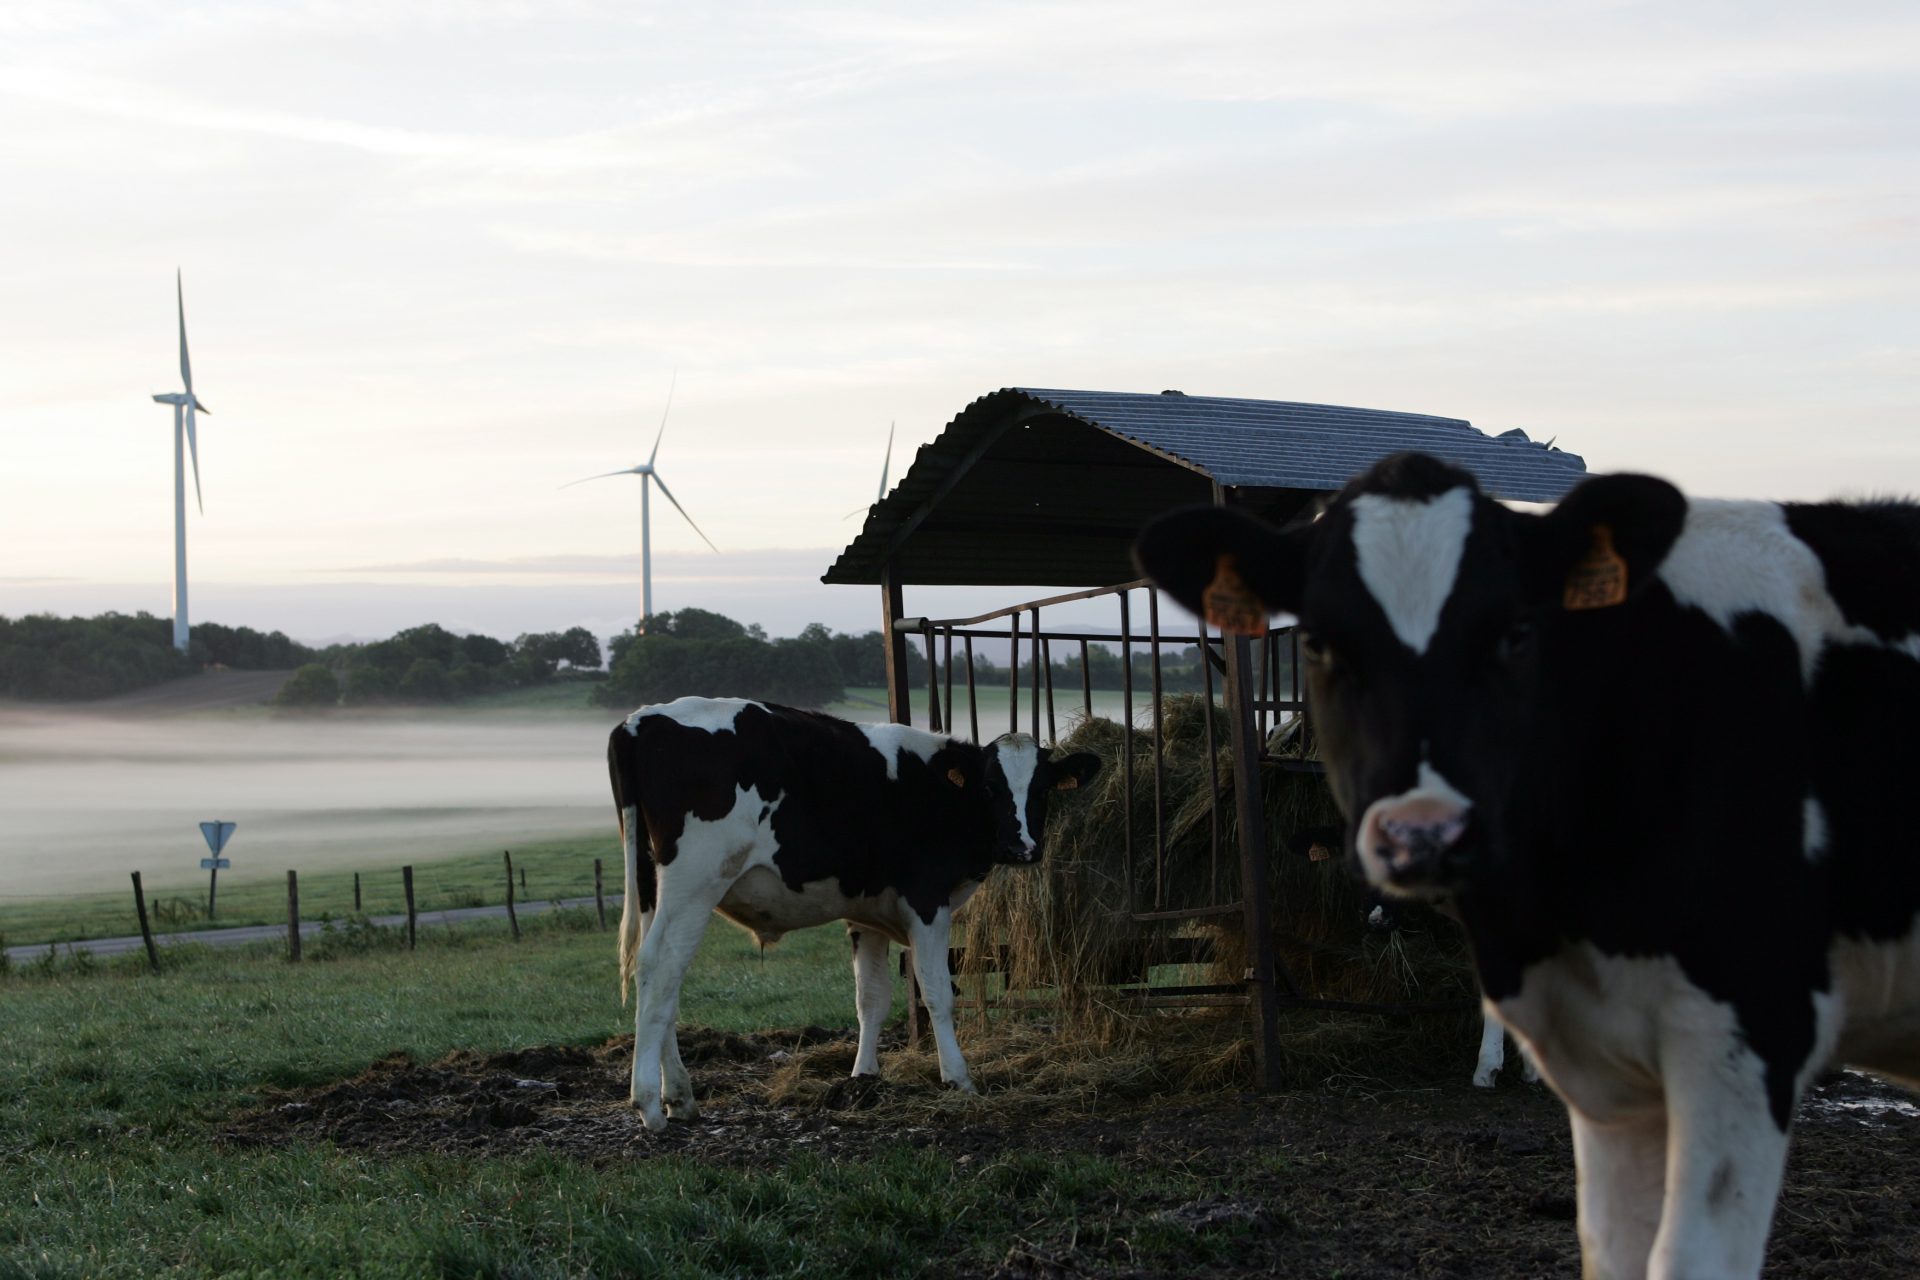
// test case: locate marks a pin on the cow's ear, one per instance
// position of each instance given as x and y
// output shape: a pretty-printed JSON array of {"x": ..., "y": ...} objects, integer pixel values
[
  {"x": 1072, "y": 771},
  {"x": 1225, "y": 565},
  {"x": 1603, "y": 543}
]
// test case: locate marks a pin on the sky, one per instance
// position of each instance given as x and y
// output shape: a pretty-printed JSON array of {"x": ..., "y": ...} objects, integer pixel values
[{"x": 440, "y": 259}]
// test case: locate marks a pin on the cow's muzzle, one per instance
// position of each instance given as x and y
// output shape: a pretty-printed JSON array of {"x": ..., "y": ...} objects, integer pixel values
[{"x": 1409, "y": 844}]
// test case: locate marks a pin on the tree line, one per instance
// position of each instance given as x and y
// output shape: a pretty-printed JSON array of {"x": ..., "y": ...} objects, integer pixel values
[{"x": 44, "y": 658}]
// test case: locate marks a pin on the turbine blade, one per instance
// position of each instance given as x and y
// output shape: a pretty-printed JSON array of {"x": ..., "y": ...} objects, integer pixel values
[
  {"x": 888, "y": 464},
  {"x": 682, "y": 510},
  {"x": 186, "y": 369},
  {"x": 663, "y": 419},
  {"x": 202, "y": 408},
  {"x": 629, "y": 471},
  {"x": 193, "y": 448}
]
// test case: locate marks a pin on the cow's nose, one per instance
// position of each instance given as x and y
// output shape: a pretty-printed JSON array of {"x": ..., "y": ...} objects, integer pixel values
[{"x": 1411, "y": 841}]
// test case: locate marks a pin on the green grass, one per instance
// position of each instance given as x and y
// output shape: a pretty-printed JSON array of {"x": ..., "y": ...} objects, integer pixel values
[
  {"x": 119, "y": 1082},
  {"x": 554, "y": 869}
]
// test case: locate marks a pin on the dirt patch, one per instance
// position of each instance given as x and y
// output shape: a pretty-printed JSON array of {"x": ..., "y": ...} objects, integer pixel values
[{"x": 1417, "y": 1176}]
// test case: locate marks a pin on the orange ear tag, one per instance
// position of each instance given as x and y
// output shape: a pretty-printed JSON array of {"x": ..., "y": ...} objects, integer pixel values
[
  {"x": 1067, "y": 783},
  {"x": 1228, "y": 603},
  {"x": 1599, "y": 581},
  {"x": 956, "y": 777}
]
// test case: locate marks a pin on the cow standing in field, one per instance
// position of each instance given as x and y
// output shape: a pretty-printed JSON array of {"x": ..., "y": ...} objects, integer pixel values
[
  {"x": 779, "y": 819},
  {"x": 1660, "y": 752}
]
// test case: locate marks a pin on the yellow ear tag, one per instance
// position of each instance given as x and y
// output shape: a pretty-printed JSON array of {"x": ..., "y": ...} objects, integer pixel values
[
  {"x": 1599, "y": 581},
  {"x": 1067, "y": 783},
  {"x": 956, "y": 777},
  {"x": 1229, "y": 605}
]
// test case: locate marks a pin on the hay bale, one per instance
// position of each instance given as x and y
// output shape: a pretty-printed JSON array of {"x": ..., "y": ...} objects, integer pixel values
[{"x": 1067, "y": 926}]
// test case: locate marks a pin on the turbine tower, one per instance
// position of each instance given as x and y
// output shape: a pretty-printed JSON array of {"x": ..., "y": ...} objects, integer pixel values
[
  {"x": 185, "y": 404},
  {"x": 650, "y": 476},
  {"x": 885, "y": 466}
]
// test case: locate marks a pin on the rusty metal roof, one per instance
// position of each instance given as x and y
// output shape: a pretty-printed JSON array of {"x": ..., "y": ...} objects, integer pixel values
[{"x": 1045, "y": 487}]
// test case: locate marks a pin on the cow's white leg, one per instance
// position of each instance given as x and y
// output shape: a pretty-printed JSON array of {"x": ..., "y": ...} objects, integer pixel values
[
  {"x": 873, "y": 996},
  {"x": 688, "y": 895},
  {"x": 1493, "y": 1050},
  {"x": 676, "y": 1085},
  {"x": 1725, "y": 1161},
  {"x": 1622, "y": 1177},
  {"x": 929, "y": 942}
]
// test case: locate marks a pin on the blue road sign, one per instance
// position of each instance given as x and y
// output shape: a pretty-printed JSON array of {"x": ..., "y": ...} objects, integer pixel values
[
  {"x": 215, "y": 864},
  {"x": 217, "y": 834}
]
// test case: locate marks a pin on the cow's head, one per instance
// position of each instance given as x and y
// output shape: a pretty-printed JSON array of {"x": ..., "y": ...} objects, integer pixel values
[
  {"x": 1424, "y": 610},
  {"x": 1021, "y": 775}
]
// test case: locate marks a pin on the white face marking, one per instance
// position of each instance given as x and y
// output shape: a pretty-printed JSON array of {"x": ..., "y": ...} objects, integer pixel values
[
  {"x": 891, "y": 739},
  {"x": 1019, "y": 756},
  {"x": 711, "y": 714},
  {"x": 1408, "y": 554},
  {"x": 1814, "y": 830}
]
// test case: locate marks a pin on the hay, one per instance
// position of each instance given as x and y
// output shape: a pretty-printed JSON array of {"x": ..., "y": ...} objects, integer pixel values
[{"x": 1065, "y": 930}]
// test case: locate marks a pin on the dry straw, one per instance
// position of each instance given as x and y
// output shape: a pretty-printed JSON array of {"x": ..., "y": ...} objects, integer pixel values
[{"x": 1063, "y": 933}]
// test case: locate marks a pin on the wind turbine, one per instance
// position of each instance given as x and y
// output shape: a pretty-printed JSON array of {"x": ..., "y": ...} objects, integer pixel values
[
  {"x": 884, "y": 468},
  {"x": 184, "y": 403},
  {"x": 650, "y": 476}
]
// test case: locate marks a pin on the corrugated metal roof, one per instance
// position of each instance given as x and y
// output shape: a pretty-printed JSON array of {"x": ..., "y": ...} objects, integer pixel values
[
  {"x": 1280, "y": 444},
  {"x": 1047, "y": 487}
]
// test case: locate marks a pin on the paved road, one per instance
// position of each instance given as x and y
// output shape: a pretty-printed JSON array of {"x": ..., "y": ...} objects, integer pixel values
[{"x": 102, "y": 947}]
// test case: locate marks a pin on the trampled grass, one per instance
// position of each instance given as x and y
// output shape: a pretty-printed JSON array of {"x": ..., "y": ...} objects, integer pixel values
[{"x": 120, "y": 1079}]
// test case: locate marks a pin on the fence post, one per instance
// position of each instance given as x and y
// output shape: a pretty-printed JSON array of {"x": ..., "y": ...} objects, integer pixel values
[
  {"x": 356, "y": 893},
  {"x": 293, "y": 914},
  {"x": 523, "y": 880},
  {"x": 146, "y": 930},
  {"x": 406, "y": 879},
  {"x": 599, "y": 894},
  {"x": 512, "y": 919}
]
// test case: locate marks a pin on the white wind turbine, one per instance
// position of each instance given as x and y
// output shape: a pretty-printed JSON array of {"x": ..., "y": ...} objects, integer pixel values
[
  {"x": 885, "y": 467},
  {"x": 185, "y": 404},
  {"x": 649, "y": 476}
]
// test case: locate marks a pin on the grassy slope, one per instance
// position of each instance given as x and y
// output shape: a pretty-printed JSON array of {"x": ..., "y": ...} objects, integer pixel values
[{"x": 120, "y": 1080}]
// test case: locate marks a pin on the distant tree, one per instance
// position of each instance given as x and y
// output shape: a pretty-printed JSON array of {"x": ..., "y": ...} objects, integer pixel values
[
  {"x": 426, "y": 681},
  {"x": 313, "y": 685}
]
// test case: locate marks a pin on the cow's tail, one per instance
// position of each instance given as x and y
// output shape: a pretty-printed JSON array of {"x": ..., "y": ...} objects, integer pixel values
[{"x": 635, "y": 901}]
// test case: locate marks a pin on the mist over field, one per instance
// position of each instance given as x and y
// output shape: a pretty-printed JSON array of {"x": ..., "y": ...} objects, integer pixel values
[{"x": 89, "y": 798}]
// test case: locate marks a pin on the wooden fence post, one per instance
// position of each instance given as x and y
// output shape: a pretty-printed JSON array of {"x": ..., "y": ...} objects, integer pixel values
[
  {"x": 293, "y": 914},
  {"x": 599, "y": 894},
  {"x": 512, "y": 919},
  {"x": 406, "y": 879},
  {"x": 146, "y": 930},
  {"x": 356, "y": 893},
  {"x": 523, "y": 879}
]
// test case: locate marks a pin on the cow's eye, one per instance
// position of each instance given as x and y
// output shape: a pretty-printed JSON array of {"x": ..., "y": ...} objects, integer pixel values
[
  {"x": 1314, "y": 650},
  {"x": 1515, "y": 641}
]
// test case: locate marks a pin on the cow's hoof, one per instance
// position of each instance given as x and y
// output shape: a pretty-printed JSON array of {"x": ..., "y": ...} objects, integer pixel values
[
  {"x": 962, "y": 1086},
  {"x": 683, "y": 1108},
  {"x": 650, "y": 1113},
  {"x": 1485, "y": 1079}
]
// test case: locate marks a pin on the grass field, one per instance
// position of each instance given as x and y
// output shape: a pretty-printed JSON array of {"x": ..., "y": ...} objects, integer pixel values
[
  {"x": 111, "y": 1164},
  {"x": 555, "y": 869}
]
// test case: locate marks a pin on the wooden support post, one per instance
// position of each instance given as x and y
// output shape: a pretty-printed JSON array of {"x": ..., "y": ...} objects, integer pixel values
[
  {"x": 293, "y": 914},
  {"x": 1263, "y": 978},
  {"x": 523, "y": 881},
  {"x": 512, "y": 919},
  {"x": 899, "y": 695},
  {"x": 916, "y": 1011},
  {"x": 146, "y": 930},
  {"x": 406, "y": 881},
  {"x": 356, "y": 893},
  {"x": 599, "y": 894}
]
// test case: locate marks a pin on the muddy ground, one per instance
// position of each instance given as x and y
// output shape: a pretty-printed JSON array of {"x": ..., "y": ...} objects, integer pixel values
[{"x": 1361, "y": 1178}]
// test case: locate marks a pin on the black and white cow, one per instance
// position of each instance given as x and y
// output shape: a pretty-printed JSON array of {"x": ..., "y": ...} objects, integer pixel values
[
  {"x": 779, "y": 819},
  {"x": 1586, "y": 727}
]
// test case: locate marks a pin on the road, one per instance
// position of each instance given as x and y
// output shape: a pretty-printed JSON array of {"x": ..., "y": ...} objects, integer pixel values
[{"x": 102, "y": 947}]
